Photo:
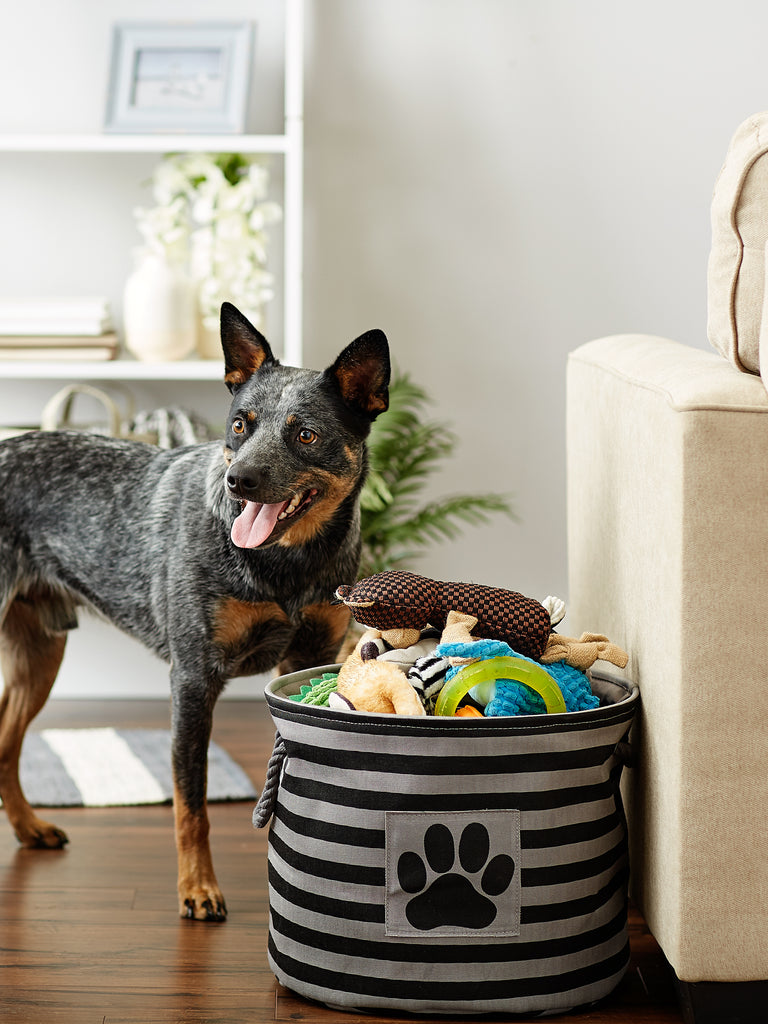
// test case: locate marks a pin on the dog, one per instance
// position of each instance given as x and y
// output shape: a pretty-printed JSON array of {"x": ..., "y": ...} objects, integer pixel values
[{"x": 222, "y": 563}]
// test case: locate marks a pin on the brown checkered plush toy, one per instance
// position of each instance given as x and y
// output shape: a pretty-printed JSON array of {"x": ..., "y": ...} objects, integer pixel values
[{"x": 397, "y": 599}]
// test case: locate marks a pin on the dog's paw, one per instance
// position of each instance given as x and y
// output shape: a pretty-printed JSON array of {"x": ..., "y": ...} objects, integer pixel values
[
  {"x": 203, "y": 904},
  {"x": 36, "y": 834}
]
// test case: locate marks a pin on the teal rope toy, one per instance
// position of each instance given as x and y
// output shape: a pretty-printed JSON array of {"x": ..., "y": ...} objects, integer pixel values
[
  {"x": 511, "y": 697},
  {"x": 514, "y": 699}
]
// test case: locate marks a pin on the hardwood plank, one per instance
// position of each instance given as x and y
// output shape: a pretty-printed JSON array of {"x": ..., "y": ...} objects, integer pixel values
[
  {"x": 37, "y": 904},
  {"x": 89, "y": 934}
]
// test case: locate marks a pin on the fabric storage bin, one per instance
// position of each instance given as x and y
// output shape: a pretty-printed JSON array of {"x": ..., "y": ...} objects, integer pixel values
[{"x": 446, "y": 865}]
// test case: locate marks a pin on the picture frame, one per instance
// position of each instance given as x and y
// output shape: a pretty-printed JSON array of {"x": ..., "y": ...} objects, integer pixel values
[{"x": 183, "y": 77}]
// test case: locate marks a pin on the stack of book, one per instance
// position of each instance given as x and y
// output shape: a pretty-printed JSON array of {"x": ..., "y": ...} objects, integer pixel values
[{"x": 60, "y": 328}]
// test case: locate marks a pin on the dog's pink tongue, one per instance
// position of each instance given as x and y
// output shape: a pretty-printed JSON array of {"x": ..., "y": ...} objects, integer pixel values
[{"x": 255, "y": 523}]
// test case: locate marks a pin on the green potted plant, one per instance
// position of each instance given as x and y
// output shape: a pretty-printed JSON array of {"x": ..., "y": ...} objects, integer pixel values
[{"x": 405, "y": 448}]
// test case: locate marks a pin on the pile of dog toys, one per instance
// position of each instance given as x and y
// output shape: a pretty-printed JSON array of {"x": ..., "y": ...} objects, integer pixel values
[{"x": 459, "y": 649}]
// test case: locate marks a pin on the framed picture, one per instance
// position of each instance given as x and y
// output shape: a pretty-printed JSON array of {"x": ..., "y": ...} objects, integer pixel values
[{"x": 185, "y": 77}]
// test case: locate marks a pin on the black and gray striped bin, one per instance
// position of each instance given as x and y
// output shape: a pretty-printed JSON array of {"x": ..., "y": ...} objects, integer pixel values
[{"x": 447, "y": 865}]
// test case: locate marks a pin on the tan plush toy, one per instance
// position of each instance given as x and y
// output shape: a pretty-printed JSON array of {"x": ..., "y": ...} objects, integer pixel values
[
  {"x": 583, "y": 652},
  {"x": 375, "y": 685}
]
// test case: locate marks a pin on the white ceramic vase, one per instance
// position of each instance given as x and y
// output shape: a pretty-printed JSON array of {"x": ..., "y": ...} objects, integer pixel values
[
  {"x": 208, "y": 340},
  {"x": 159, "y": 310}
]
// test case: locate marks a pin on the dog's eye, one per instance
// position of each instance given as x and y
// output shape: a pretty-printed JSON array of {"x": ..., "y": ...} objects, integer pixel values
[
  {"x": 307, "y": 436},
  {"x": 238, "y": 426}
]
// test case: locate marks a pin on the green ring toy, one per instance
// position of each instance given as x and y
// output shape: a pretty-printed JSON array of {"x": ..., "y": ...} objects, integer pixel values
[{"x": 493, "y": 669}]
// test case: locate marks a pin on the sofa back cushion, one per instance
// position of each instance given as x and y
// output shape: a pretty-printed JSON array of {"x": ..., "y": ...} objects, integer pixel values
[{"x": 736, "y": 273}]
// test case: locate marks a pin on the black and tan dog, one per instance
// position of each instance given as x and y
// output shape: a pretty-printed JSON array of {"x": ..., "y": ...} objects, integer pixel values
[{"x": 223, "y": 566}]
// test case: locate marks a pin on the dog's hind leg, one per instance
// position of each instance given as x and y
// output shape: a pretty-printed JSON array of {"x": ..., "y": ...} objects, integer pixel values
[{"x": 31, "y": 649}]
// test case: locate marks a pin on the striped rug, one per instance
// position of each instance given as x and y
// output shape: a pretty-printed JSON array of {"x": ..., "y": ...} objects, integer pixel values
[{"x": 115, "y": 767}]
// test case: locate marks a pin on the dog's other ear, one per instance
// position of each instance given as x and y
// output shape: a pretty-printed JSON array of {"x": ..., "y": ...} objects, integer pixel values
[
  {"x": 245, "y": 348},
  {"x": 362, "y": 374}
]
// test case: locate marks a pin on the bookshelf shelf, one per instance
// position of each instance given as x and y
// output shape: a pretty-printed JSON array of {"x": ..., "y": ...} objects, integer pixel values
[
  {"x": 103, "y": 143},
  {"x": 114, "y": 369}
]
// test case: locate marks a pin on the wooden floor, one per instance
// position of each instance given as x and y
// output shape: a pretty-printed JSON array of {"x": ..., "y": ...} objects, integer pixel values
[{"x": 89, "y": 934}]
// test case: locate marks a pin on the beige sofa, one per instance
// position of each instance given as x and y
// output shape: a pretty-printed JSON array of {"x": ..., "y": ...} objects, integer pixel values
[{"x": 668, "y": 555}]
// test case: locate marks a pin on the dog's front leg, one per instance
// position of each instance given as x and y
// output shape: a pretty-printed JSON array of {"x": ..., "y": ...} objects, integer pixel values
[{"x": 199, "y": 894}]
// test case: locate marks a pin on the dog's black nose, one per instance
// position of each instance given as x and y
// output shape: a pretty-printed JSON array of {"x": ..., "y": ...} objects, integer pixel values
[
  {"x": 242, "y": 485},
  {"x": 236, "y": 484}
]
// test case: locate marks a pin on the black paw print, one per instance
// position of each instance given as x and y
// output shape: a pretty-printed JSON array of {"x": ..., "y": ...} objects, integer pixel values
[{"x": 453, "y": 899}]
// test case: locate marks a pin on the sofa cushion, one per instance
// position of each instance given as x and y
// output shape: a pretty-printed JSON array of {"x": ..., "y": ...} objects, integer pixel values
[{"x": 736, "y": 272}]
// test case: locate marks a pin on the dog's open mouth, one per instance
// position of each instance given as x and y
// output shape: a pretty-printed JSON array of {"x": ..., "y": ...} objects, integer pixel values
[{"x": 257, "y": 523}]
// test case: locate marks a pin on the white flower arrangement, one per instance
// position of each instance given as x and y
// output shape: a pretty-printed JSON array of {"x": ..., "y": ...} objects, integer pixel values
[{"x": 211, "y": 217}]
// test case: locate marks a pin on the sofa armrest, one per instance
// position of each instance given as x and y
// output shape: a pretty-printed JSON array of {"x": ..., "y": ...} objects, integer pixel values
[{"x": 667, "y": 455}]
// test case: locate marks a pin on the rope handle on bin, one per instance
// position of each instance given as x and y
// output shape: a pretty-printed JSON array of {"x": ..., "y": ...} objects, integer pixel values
[
  {"x": 625, "y": 751},
  {"x": 265, "y": 807}
]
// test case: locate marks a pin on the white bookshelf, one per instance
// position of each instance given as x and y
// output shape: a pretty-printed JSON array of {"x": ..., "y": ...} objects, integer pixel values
[
  {"x": 101, "y": 662},
  {"x": 289, "y": 145}
]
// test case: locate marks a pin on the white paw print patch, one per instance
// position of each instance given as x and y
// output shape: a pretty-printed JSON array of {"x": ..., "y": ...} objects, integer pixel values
[{"x": 455, "y": 873}]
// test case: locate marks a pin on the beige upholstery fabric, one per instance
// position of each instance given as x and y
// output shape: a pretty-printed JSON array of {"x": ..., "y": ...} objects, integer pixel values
[
  {"x": 668, "y": 556},
  {"x": 736, "y": 271}
]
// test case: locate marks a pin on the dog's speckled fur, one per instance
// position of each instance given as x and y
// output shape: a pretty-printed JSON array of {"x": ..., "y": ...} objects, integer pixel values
[{"x": 143, "y": 537}]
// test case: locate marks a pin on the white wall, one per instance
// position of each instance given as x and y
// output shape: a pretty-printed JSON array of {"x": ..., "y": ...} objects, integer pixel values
[{"x": 492, "y": 182}]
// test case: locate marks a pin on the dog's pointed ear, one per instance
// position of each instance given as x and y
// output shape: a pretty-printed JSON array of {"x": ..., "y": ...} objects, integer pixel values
[
  {"x": 362, "y": 374},
  {"x": 245, "y": 349}
]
